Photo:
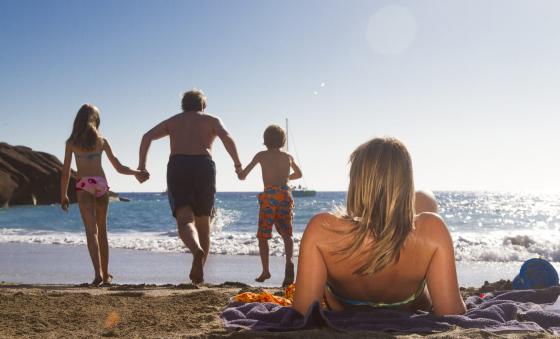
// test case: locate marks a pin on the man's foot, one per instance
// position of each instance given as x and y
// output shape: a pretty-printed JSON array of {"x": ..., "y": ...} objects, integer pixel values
[
  {"x": 97, "y": 282},
  {"x": 197, "y": 273},
  {"x": 288, "y": 275},
  {"x": 108, "y": 281},
  {"x": 263, "y": 277}
]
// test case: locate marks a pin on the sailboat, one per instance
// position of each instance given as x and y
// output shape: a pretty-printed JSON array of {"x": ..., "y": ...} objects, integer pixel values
[{"x": 299, "y": 190}]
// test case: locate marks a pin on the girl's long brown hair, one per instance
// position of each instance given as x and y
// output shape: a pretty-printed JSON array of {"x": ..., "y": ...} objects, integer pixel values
[
  {"x": 85, "y": 131},
  {"x": 380, "y": 203}
]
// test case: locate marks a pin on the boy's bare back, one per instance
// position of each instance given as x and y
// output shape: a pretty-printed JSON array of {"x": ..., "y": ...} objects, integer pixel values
[
  {"x": 275, "y": 166},
  {"x": 193, "y": 132}
]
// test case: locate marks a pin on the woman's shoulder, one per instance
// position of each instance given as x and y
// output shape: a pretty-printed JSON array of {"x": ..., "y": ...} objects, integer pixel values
[
  {"x": 326, "y": 223},
  {"x": 432, "y": 227}
]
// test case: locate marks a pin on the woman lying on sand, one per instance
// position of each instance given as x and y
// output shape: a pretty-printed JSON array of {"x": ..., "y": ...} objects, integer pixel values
[{"x": 381, "y": 251}]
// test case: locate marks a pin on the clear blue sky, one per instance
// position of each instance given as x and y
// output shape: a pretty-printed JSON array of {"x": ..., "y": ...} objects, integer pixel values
[{"x": 471, "y": 87}]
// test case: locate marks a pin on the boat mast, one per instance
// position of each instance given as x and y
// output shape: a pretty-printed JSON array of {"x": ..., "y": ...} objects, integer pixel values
[{"x": 287, "y": 137}]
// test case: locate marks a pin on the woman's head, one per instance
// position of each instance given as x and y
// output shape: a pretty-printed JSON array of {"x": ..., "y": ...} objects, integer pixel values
[
  {"x": 380, "y": 201},
  {"x": 85, "y": 131}
]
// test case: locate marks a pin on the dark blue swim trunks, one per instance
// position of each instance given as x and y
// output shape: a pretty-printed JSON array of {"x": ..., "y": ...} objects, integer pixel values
[{"x": 191, "y": 181}]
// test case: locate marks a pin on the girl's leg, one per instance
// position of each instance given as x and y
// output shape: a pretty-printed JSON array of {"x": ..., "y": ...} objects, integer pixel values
[
  {"x": 263, "y": 251},
  {"x": 101, "y": 208},
  {"x": 87, "y": 210}
]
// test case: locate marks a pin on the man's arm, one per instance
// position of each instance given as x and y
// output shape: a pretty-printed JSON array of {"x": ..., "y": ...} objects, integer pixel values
[
  {"x": 229, "y": 144},
  {"x": 158, "y": 132},
  {"x": 296, "y": 174}
]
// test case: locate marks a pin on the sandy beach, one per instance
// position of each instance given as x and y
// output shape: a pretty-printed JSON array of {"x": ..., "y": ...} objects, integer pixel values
[
  {"x": 44, "y": 294},
  {"x": 151, "y": 311}
]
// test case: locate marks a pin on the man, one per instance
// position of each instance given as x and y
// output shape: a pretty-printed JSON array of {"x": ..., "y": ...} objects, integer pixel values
[{"x": 191, "y": 173}]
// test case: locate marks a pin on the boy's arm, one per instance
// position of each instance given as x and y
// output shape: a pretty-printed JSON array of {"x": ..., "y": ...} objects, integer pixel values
[
  {"x": 116, "y": 163},
  {"x": 296, "y": 174},
  {"x": 243, "y": 174},
  {"x": 65, "y": 178},
  {"x": 158, "y": 132},
  {"x": 229, "y": 144}
]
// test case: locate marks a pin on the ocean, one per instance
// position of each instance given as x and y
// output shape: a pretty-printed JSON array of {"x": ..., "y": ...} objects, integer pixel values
[{"x": 486, "y": 227}]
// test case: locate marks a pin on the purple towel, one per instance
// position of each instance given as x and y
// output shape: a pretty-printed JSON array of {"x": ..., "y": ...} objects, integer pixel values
[{"x": 496, "y": 312}]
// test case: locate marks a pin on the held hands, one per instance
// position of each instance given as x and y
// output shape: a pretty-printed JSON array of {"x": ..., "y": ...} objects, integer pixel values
[
  {"x": 64, "y": 203},
  {"x": 240, "y": 173},
  {"x": 142, "y": 175}
]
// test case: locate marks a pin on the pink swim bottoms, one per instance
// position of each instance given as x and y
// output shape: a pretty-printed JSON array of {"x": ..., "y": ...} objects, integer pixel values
[{"x": 94, "y": 185}]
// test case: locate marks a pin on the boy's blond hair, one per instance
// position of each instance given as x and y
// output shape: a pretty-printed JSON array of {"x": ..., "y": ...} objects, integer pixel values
[
  {"x": 380, "y": 203},
  {"x": 274, "y": 137}
]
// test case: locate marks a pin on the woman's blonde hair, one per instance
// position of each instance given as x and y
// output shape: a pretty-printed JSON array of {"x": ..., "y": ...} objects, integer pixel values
[
  {"x": 85, "y": 130},
  {"x": 380, "y": 203}
]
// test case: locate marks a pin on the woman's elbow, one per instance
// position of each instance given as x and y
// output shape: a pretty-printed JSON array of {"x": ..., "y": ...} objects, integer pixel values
[{"x": 458, "y": 309}]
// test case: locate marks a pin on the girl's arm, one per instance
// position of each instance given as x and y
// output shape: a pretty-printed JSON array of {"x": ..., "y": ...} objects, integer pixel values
[
  {"x": 442, "y": 274},
  {"x": 243, "y": 174},
  {"x": 312, "y": 270},
  {"x": 116, "y": 163},
  {"x": 65, "y": 178}
]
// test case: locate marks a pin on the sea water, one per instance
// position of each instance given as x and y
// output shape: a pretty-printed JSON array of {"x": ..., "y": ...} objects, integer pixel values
[{"x": 485, "y": 226}]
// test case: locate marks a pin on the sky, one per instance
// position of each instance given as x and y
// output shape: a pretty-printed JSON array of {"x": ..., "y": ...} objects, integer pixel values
[{"x": 470, "y": 87}]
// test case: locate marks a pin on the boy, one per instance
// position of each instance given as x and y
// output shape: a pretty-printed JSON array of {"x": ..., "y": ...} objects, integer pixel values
[{"x": 276, "y": 203}]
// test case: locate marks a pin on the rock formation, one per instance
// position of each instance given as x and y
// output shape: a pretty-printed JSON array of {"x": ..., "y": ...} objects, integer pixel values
[{"x": 30, "y": 177}]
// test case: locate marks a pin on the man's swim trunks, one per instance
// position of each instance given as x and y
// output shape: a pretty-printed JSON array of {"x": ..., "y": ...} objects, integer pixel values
[
  {"x": 96, "y": 186},
  {"x": 276, "y": 207},
  {"x": 191, "y": 181}
]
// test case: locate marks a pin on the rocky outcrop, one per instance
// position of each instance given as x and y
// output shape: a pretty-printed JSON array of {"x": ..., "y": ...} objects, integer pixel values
[{"x": 30, "y": 177}]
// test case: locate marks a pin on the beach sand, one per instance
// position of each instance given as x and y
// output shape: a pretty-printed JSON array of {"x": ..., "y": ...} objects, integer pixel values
[
  {"x": 150, "y": 311},
  {"x": 43, "y": 295}
]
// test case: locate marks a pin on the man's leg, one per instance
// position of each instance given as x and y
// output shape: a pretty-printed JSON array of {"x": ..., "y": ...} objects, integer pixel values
[
  {"x": 190, "y": 237},
  {"x": 202, "y": 225}
]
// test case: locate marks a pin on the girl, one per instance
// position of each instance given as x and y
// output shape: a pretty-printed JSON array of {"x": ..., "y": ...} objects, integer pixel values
[
  {"x": 382, "y": 251},
  {"x": 87, "y": 145}
]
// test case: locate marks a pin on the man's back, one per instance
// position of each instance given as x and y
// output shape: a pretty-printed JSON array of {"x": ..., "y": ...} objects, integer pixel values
[
  {"x": 193, "y": 132},
  {"x": 275, "y": 165}
]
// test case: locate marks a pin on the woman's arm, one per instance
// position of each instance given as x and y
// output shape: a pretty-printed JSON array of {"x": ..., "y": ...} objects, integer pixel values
[
  {"x": 116, "y": 163},
  {"x": 442, "y": 274},
  {"x": 65, "y": 178},
  {"x": 312, "y": 270}
]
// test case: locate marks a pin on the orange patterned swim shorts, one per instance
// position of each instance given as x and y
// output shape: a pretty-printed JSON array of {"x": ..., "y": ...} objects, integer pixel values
[{"x": 276, "y": 208}]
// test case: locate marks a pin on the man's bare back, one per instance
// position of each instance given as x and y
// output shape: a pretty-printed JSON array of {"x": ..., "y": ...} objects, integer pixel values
[{"x": 193, "y": 132}]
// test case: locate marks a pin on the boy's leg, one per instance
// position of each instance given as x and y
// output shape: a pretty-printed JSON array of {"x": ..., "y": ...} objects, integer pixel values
[
  {"x": 101, "y": 208},
  {"x": 189, "y": 235},
  {"x": 264, "y": 252},
  {"x": 86, "y": 202},
  {"x": 202, "y": 225},
  {"x": 289, "y": 252}
]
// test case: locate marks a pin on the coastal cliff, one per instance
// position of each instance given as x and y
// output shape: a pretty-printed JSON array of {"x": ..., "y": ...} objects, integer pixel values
[{"x": 29, "y": 177}]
